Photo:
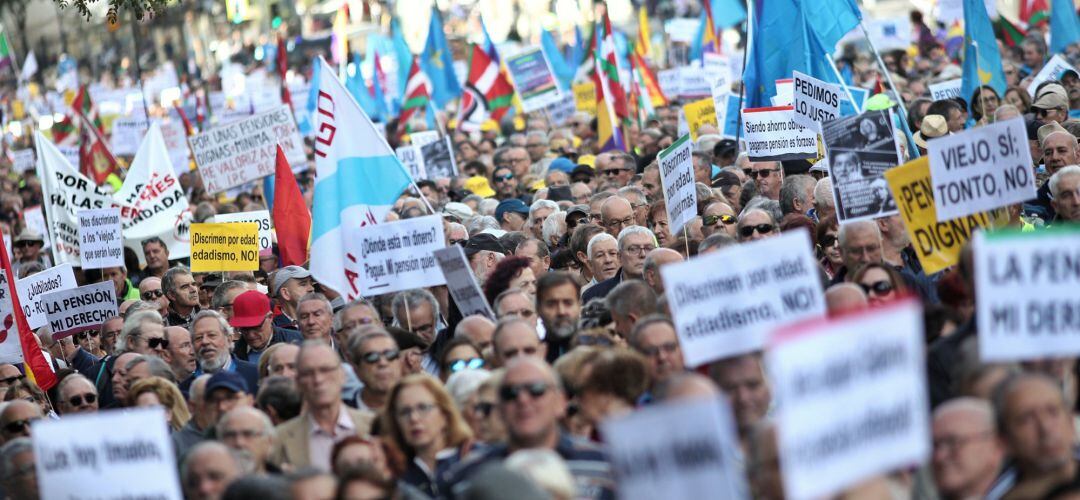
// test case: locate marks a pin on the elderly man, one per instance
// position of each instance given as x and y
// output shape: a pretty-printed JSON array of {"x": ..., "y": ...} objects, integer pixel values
[
  {"x": 516, "y": 302},
  {"x": 630, "y": 301},
  {"x": 225, "y": 295},
  {"x": 316, "y": 318},
  {"x": 615, "y": 167},
  {"x": 512, "y": 214},
  {"x": 559, "y": 305},
  {"x": 249, "y": 431},
  {"x": 516, "y": 158},
  {"x": 183, "y": 293},
  {"x": 536, "y": 143},
  {"x": 654, "y": 337},
  {"x": 756, "y": 224},
  {"x": 860, "y": 244},
  {"x": 1059, "y": 149},
  {"x": 307, "y": 440},
  {"x": 77, "y": 395},
  {"x": 289, "y": 285},
  {"x": 537, "y": 253},
  {"x": 209, "y": 469},
  {"x": 797, "y": 194},
  {"x": 718, "y": 217},
  {"x": 650, "y": 182},
  {"x": 16, "y": 417},
  {"x": 539, "y": 211},
  {"x": 602, "y": 254},
  {"x": 479, "y": 330},
  {"x": 226, "y": 391},
  {"x": 417, "y": 310},
  {"x": 634, "y": 243},
  {"x": 194, "y": 431},
  {"x": 1065, "y": 186},
  {"x": 18, "y": 476},
  {"x": 1035, "y": 424},
  {"x": 742, "y": 379},
  {"x": 157, "y": 258},
  {"x": 845, "y": 297},
  {"x": 150, "y": 291},
  {"x": 211, "y": 334},
  {"x": 514, "y": 337},
  {"x": 181, "y": 351},
  {"x": 9, "y": 374},
  {"x": 639, "y": 202},
  {"x": 967, "y": 455},
  {"x": 768, "y": 177},
  {"x": 824, "y": 203},
  {"x": 653, "y": 262},
  {"x": 616, "y": 213},
  {"x": 356, "y": 313},
  {"x": 484, "y": 252},
  {"x": 377, "y": 361},
  {"x": 253, "y": 320}
]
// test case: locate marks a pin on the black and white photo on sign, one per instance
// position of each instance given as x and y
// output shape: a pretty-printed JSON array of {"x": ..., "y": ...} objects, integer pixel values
[
  {"x": 860, "y": 149},
  {"x": 439, "y": 159}
]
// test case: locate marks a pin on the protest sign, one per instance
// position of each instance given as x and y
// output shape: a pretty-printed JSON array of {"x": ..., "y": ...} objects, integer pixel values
[
  {"x": 677, "y": 178},
  {"x": 71, "y": 153},
  {"x": 74, "y": 310},
  {"x": 981, "y": 169},
  {"x": 727, "y": 113},
  {"x": 32, "y": 289},
  {"x": 175, "y": 136},
  {"x": 682, "y": 29},
  {"x": 1052, "y": 70},
  {"x": 785, "y": 92},
  {"x": 946, "y": 90},
  {"x": 438, "y": 157},
  {"x": 109, "y": 454},
  {"x": 725, "y": 303},
  {"x": 260, "y": 217},
  {"x": 860, "y": 149},
  {"x": 533, "y": 79},
  {"x": 245, "y": 150},
  {"x": 560, "y": 112},
  {"x": 461, "y": 282},
  {"x": 34, "y": 218},
  {"x": 694, "y": 83},
  {"x": 231, "y": 246},
  {"x": 718, "y": 72},
  {"x": 815, "y": 101},
  {"x": 872, "y": 365},
  {"x": 937, "y": 244},
  {"x": 100, "y": 238},
  {"x": 680, "y": 450},
  {"x": 22, "y": 160},
  {"x": 698, "y": 114},
  {"x": 395, "y": 256},
  {"x": 10, "y": 348},
  {"x": 1026, "y": 283},
  {"x": 423, "y": 137},
  {"x": 412, "y": 160},
  {"x": 127, "y": 133},
  {"x": 585, "y": 97},
  {"x": 772, "y": 135},
  {"x": 670, "y": 81}
]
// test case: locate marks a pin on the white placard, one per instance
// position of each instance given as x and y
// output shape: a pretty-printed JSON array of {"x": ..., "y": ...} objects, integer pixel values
[
  {"x": 675, "y": 451},
  {"x": 71, "y": 154},
  {"x": 100, "y": 239},
  {"x": 1027, "y": 286},
  {"x": 32, "y": 290},
  {"x": 74, "y": 310},
  {"x": 127, "y": 133},
  {"x": 412, "y": 160},
  {"x": 110, "y": 454},
  {"x": 815, "y": 101},
  {"x": 670, "y": 81},
  {"x": 423, "y": 138},
  {"x": 563, "y": 110},
  {"x": 718, "y": 71},
  {"x": 260, "y": 217},
  {"x": 785, "y": 92},
  {"x": 246, "y": 150},
  {"x": 22, "y": 160},
  {"x": 694, "y": 83},
  {"x": 461, "y": 282},
  {"x": 677, "y": 178},
  {"x": 175, "y": 136},
  {"x": 981, "y": 169},
  {"x": 35, "y": 220},
  {"x": 867, "y": 374},
  {"x": 397, "y": 255},
  {"x": 772, "y": 135},
  {"x": 682, "y": 29},
  {"x": 1052, "y": 70},
  {"x": 725, "y": 303},
  {"x": 946, "y": 90}
]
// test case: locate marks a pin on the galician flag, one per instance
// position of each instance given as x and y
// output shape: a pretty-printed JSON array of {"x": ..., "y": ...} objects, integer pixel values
[{"x": 358, "y": 179}]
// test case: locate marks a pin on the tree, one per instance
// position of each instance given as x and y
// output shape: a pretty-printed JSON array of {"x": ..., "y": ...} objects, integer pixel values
[
  {"x": 17, "y": 10},
  {"x": 139, "y": 8}
]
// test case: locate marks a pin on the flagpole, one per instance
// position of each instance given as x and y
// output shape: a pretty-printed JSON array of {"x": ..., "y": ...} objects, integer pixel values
[
  {"x": 888, "y": 76},
  {"x": 14, "y": 56},
  {"x": 745, "y": 54},
  {"x": 850, "y": 96}
]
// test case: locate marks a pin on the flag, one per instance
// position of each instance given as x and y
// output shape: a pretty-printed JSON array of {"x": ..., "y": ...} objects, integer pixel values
[
  {"x": 358, "y": 179},
  {"x": 982, "y": 61},
  {"x": 96, "y": 161},
  {"x": 1064, "y": 26},
  {"x": 487, "y": 93},
  {"x": 292, "y": 220},
  {"x": 417, "y": 95},
  {"x": 954, "y": 40},
  {"x": 707, "y": 39},
  {"x": 644, "y": 39},
  {"x": 30, "y": 67},
  {"x": 6, "y": 57},
  {"x": 378, "y": 87},
  {"x": 1009, "y": 32},
  {"x": 564, "y": 73},
  {"x": 489, "y": 45},
  {"x": 831, "y": 19},
  {"x": 437, "y": 62},
  {"x": 611, "y": 107},
  {"x": 339, "y": 38},
  {"x": 189, "y": 129},
  {"x": 283, "y": 69},
  {"x": 37, "y": 367},
  {"x": 650, "y": 86},
  {"x": 403, "y": 54},
  {"x": 356, "y": 86},
  {"x": 1034, "y": 12},
  {"x": 83, "y": 105}
]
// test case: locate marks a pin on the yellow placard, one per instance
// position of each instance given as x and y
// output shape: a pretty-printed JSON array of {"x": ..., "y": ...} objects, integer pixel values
[
  {"x": 585, "y": 97},
  {"x": 699, "y": 113},
  {"x": 232, "y": 246},
  {"x": 18, "y": 110},
  {"x": 936, "y": 243}
]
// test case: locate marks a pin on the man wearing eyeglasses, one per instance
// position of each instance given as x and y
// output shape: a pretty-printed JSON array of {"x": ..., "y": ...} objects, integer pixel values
[
  {"x": 756, "y": 224},
  {"x": 150, "y": 291},
  {"x": 654, "y": 337},
  {"x": 967, "y": 455},
  {"x": 28, "y": 244},
  {"x": 514, "y": 157},
  {"x": 16, "y": 418},
  {"x": 768, "y": 177},
  {"x": 250, "y": 431},
  {"x": 616, "y": 213},
  {"x": 253, "y": 320},
  {"x": 718, "y": 217},
  {"x": 77, "y": 395},
  {"x": 634, "y": 244},
  {"x": 617, "y": 168},
  {"x": 377, "y": 361},
  {"x": 9, "y": 374}
]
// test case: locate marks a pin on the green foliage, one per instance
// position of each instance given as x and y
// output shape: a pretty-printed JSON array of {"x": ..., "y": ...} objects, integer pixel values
[{"x": 117, "y": 8}]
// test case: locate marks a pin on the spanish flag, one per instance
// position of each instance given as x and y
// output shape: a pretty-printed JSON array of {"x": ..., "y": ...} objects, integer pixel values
[{"x": 37, "y": 367}]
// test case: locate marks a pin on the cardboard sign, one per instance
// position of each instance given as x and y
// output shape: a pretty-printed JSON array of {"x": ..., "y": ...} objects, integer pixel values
[
  {"x": 1026, "y": 284},
  {"x": 1052, "y": 70},
  {"x": 439, "y": 159},
  {"x": 937, "y": 244},
  {"x": 260, "y": 217},
  {"x": 815, "y": 101},
  {"x": 772, "y": 135},
  {"x": 412, "y": 160},
  {"x": 679, "y": 450},
  {"x": 946, "y": 90},
  {"x": 246, "y": 150},
  {"x": 533, "y": 79},
  {"x": 461, "y": 282},
  {"x": 22, "y": 160},
  {"x": 79, "y": 309},
  {"x": 694, "y": 83},
  {"x": 725, "y": 303},
  {"x": 860, "y": 150},
  {"x": 10, "y": 348},
  {"x": 224, "y": 247},
  {"x": 100, "y": 238},
  {"x": 699, "y": 113},
  {"x": 872, "y": 366},
  {"x": 981, "y": 169},
  {"x": 32, "y": 290},
  {"x": 397, "y": 255},
  {"x": 585, "y": 97},
  {"x": 113, "y": 454},
  {"x": 677, "y": 178}
]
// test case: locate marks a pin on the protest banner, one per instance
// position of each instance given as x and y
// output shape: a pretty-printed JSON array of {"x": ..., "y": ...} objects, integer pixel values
[
  {"x": 725, "y": 303},
  {"x": 698, "y": 114},
  {"x": 22, "y": 160},
  {"x": 127, "y": 133},
  {"x": 74, "y": 310},
  {"x": 981, "y": 169},
  {"x": 677, "y": 179},
  {"x": 461, "y": 282},
  {"x": 785, "y": 92},
  {"x": 815, "y": 101},
  {"x": 438, "y": 159},
  {"x": 872, "y": 365},
  {"x": 1052, "y": 70},
  {"x": 681, "y": 450},
  {"x": 860, "y": 149},
  {"x": 260, "y": 217},
  {"x": 100, "y": 238},
  {"x": 694, "y": 83},
  {"x": 232, "y": 246},
  {"x": 670, "y": 82},
  {"x": 533, "y": 79},
  {"x": 10, "y": 349},
  {"x": 718, "y": 71},
  {"x": 682, "y": 29},
  {"x": 937, "y": 244},
  {"x": 32, "y": 289},
  {"x": 108, "y": 454},
  {"x": 1026, "y": 283},
  {"x": 585, "y": 97},
  {"x": 395, "y": 256},
  {"x": 562, "y": 111},
  {"x": 246, "y": 150},
  {"x": 772, "y": 135},
  {"x": 413, "y": 161},
  {"x": 946, "y": 90}
]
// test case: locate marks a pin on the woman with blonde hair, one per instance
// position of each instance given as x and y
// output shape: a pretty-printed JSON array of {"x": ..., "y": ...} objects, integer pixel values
[
  {"x": 156, "y": 391},
  {"x": 423, "y": 426}
]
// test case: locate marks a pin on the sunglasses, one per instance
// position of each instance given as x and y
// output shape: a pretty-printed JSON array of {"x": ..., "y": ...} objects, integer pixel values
[
  {"x": 373, "y": 356},
  {"x": 747, "y": 231},
  {"x": 508, "y": 393},
  {"x": 882, "y": 287},
  {"x": 466, "y": 364},
  {"x": 83, "y": 335},
  {"x": 828, "y": 240},
  {"x": 611, "y": 172},
  {"x": 77, "y": 400},
  {"x": 24, "y": 244},
  {"x": 503, "y": 178},
  {"x": 483, "y": 409},
  {"x": 17, "y": 426},
  {"x": 763, "y": 173},
  {"x": 11, "y": 380},
  {"x": 157, "y": 342},
  {"x": 152, "y": 294},
  {"x": 711, "y": 220}
]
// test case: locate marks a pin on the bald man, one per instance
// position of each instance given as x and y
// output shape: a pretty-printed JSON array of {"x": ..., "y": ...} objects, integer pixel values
[
  {"x": 656, "y": 259},
  {"x": 845, "y": 297}
]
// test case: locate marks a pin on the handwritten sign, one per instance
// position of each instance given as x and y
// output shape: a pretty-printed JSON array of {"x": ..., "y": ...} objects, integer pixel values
[
  {"x": 32, "y": 290},
  {"x": 245, "y": 150},
  {"x": 677, "y": 178},
  {"x": 100, "y": 239}
]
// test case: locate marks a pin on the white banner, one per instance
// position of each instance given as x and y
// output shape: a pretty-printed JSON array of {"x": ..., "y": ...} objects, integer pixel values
[
  {"x": 867, "y": 374},
  {"x": 461, "y": 282},
  {"x": 981, "y": 169},
  {"x": 397, "y": 255},
  {"x": 694, "y": 83},
  {"x": 246, "y": 150},
  {"x": 100, "y": 238},
  {"x": 670, "y": 81},
  {"x": 34, "y": 218},
  {"x": 74, "y": 310},
  {"x": 726, "y": 303},
  {"x": 65, "y": 192},
  {"x": 772, "y": 135},
  {"x": 1052, "y": 70},
  {"x": 946, "y": 90},
  {"x": 32, "y": 290},
  {"x": 815, "y": 101},
  {"x": 677, "y": 177}
]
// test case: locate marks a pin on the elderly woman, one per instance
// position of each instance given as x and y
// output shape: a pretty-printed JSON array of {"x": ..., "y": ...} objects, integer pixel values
[{"x": 511, "y": 272}]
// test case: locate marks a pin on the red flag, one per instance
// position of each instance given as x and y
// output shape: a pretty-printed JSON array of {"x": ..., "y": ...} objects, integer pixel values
[
  {"x": 291, "y": 216},
  {"x": 37, "y": 366},
  {"x": 96, "y": 161}
]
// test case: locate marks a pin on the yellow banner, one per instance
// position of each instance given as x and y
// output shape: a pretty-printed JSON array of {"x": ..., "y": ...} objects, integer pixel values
[
  {"x": 232, "y": 246},
  {"x": 699, "y": 113},
  {"x": 585, "y": 97},
  {"x": 936, "y": 243}
]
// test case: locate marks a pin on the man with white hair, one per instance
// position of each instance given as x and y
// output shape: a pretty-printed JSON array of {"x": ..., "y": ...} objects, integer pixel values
[
  {"x": 824, "y": 204},
  {"x": 967, "y": 455},
  {"x": 1059, "y": 150},
  {"x": 539, "y": 211},
  {"x": 860, "y": 244},
  {"x": 249, "y": 432},
  {"x": 1065, "y": 188},
  {"x": 77, "y": 395},
  {"x": 211, "y": 333},
  {"x": 209, "y": 469},
  {"x": 634, "y": 243},
  {"x": 603, "y": 254}
]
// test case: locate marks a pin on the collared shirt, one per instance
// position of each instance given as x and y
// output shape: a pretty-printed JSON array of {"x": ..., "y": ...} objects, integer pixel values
[{"x": 321, "y": 443}]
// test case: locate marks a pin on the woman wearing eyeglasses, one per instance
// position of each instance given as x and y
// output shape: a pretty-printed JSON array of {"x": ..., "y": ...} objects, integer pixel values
[
  {"x": 880, "y": 282},
  {"x": 827, "y": 245},
  {"x": 460, "y": 354},
  {"x": 425, "y": 428}
]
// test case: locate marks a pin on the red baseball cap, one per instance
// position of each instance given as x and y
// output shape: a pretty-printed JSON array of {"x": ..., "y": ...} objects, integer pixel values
[{"x": 249, "y": 309}]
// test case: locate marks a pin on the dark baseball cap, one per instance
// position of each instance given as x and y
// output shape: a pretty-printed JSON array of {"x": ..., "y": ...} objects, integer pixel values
[
  {"x": 483, "y": 241},
  {"x": 511, "y": 205},
  {"x": 230, "y": 381}
]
